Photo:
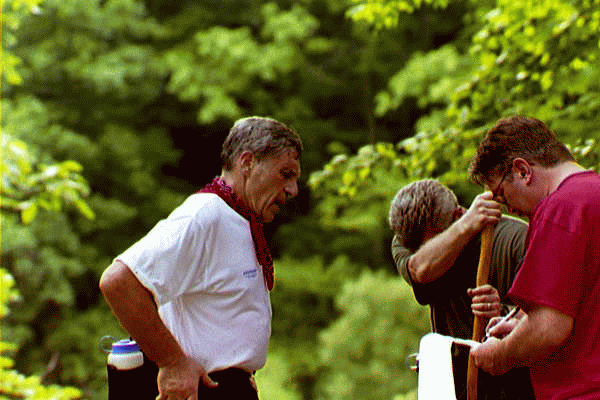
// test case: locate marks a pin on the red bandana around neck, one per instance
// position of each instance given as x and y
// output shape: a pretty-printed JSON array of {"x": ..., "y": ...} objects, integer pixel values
[{"x": 263, "y": 251}]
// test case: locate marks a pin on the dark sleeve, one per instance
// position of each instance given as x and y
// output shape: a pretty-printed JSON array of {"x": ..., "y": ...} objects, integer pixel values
[
  {"x": 507, "y": 254},
  {"x": 455, "y": 280},
  {"x": 401, "y": 256}
]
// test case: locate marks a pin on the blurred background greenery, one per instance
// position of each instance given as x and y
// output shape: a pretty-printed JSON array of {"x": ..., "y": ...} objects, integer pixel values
[{"x": 113, "y": 111}]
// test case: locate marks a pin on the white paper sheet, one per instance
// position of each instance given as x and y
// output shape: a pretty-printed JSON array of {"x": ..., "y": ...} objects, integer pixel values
[{"x": 436, "y": 380}]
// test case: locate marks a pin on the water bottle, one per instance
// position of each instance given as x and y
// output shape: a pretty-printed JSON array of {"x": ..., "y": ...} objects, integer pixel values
[
  {"x": 130, "y": 374},
  {"x": 125, "y": 355}
]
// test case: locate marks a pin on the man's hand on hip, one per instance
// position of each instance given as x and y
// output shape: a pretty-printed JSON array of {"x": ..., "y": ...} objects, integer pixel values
[{"x": 179, "y": 381}]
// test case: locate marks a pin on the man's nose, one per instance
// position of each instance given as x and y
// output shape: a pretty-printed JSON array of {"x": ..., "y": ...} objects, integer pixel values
[{"x": 291, "y": 189}]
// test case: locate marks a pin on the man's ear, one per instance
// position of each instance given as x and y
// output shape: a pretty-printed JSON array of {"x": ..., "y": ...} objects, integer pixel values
[
  {"x": 246, "y": 161},
  {"x": 523, "y": 169}
]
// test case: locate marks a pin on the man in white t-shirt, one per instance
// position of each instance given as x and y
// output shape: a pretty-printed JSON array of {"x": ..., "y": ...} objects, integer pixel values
[{"x": 194, "y": 292}]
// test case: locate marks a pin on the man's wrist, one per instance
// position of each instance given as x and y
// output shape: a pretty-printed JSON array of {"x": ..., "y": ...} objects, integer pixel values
[
  {"x": 464, "y": 228},
  {"x": 173, "y": 358}
]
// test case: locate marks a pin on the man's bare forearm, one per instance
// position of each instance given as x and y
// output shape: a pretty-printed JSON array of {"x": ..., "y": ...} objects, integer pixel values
[
  {"x": 134, "y": 307},
  {"x": 435, "y": 257},
  {"x": 536, "y": 337}
]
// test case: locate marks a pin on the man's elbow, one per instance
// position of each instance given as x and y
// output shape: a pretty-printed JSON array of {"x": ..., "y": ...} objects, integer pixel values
[
  {"x": 557, "y": 326},
  {"x": 418, "y": 273},
  {"x": 112, "y": 282},
  {"x": 561, "y": 332},
  {"x": 417, "y": 276}
]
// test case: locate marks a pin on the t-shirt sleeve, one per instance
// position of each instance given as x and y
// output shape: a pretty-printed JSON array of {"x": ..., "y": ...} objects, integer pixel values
[
  {"x": 507, "y": 254},
  {"x": 163, "y": 259},
  {"x": 401, "y": 256},
  {"x": 553, "y": 270},
  {"x": 424, "y": 293}
]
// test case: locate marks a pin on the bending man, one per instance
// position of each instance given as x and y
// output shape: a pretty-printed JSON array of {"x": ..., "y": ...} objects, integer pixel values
[{"x": 436, "y": 248}]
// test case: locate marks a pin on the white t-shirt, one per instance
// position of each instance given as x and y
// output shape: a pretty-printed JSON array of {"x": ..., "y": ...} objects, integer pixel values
[{"x": 201, "y": 267}]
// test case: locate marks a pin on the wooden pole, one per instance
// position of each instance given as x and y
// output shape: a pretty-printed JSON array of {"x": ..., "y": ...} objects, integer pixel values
[{"x": 483, "y": 270}]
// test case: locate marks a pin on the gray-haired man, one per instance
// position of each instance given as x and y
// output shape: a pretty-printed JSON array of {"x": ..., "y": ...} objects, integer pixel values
[
  {"x": 436, "y": 249},
  {"x": 194, "y": 292}
]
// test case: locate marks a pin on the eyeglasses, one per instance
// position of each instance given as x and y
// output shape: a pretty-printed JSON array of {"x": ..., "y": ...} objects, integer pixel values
[{"x": 496, "y": 192}]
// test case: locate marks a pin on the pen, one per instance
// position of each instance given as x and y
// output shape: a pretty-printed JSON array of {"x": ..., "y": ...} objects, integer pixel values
[
  {"x": 508, "y": 316},
  {"x": 466, "y": 342}
]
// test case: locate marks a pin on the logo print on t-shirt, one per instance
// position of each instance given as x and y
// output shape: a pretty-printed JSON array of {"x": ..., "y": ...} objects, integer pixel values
[{"x": 250, "y": 273}]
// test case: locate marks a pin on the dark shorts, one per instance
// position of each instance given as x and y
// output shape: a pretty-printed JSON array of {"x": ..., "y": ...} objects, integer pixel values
[
  {"x": 140, "y": 384},
  {"x": 234, "y": 383}
]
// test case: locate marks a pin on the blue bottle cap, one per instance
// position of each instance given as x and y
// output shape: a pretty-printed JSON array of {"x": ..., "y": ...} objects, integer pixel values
[{"x": 125, "y": 346}]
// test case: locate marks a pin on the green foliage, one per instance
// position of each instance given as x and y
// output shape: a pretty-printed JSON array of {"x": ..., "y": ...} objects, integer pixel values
[
  {"x": 387, "y": 13},
  {"x": 32, "y": 185},
  {"x": 412, "y": 395},
  {"x": 356, "y": 168},
  {"x": 24, "y": 188},
  {"x": 12, "y": 383},
  {"x": 8, "y": 293},
  {"x": 28, "y": 186},
  {"x": 274, "y": 381},
  {"x": 329, "y": 351},
  {"x": 370, "y": 362},
  {"x": 225, "y": 63},
  {"x": 431, "y": 78},
  {"x": 13, "y": 13},
  {"x": 587, "y": 153},
  {"x": 354, "y": 193},
  {"x": 301, "y": 285},
  {"x": 540, "y": 61}
]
